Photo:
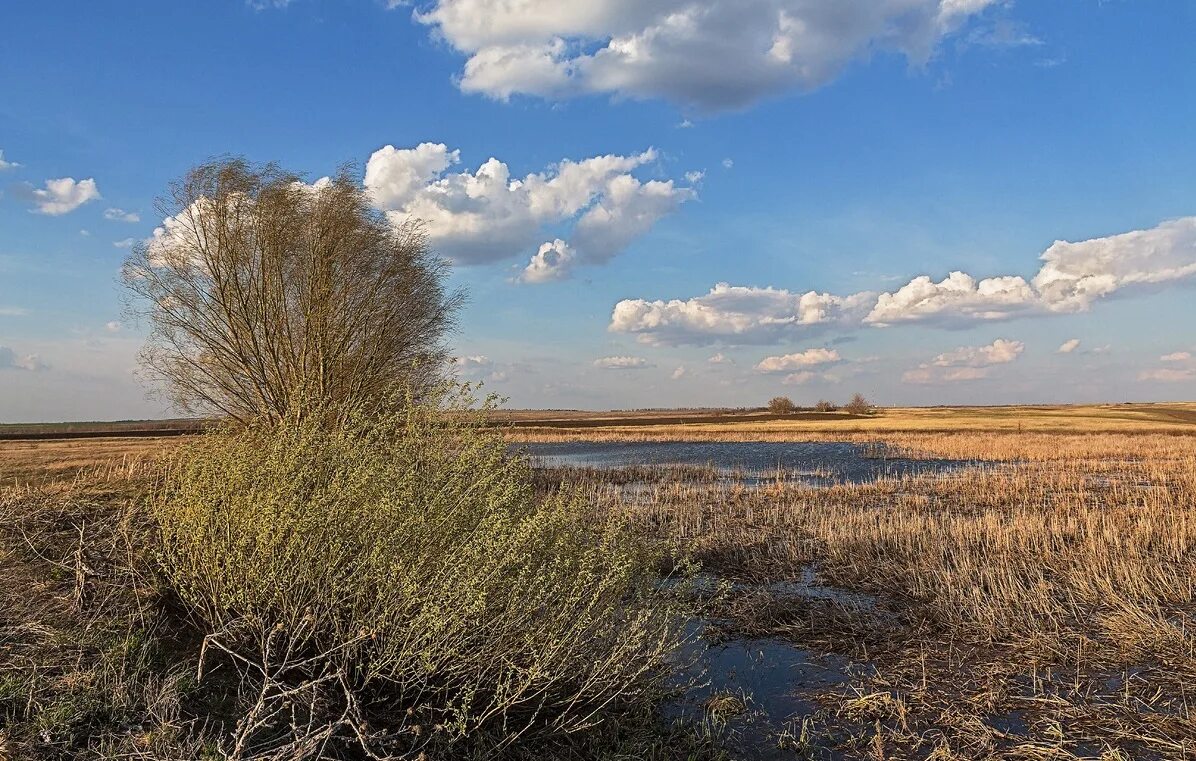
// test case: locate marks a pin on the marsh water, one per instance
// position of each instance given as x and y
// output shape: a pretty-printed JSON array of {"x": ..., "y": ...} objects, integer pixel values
[
  {"x": 758, "y": 691},
  {"x": 819, "y": 463}
]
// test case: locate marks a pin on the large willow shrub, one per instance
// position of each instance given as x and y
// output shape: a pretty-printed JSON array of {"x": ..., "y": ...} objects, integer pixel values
[{"x": 412, "y": 552}]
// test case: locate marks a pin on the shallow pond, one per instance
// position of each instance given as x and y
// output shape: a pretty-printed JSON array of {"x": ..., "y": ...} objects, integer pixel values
[
  {"x": 817, "y": 463},
  {"x": 755, "y": 690}
]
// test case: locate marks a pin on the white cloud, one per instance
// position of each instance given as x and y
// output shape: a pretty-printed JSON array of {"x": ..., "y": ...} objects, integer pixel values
[
  {"x": 735, "y": 314},
  {"x": 1168, "y": 375},
  {"x": 966, "y": 363},
  {"x": 930, "y": 375},
  {"x": 120, "y": 215},
  {"x": 621, "y": 363},
  {"x": 7, "y": 164},
  {"x": 799, "y": 378},
  {"x": 728, "y": 163},
  {"x": 474, "y": 362},
  {"x": 13, "y": 311},
  {"x": 395, "y": 176},
  {"x": 705, "y": 54},
  {"x": 1177, "y": 356},
  {"x": 64, "y": 195},
  {"x": 125, "y": 243},
  {"x": 1068, "y": 346},
  {"x": 1077, "y": 274},
  {"x": 553, "y": 261},
  {"x": 113, "y": 327},
  {"x": 959, "y": 296},
  {"x": 788, "y": 362},
  {"x": 486, "y": 215},
  {"x": 10, "y": 360},
  {"x": 1072, "y": 278},
  {"x": 998, "y": 352},
  {"x": 720, "y": 359},
  {"x": 679, "y": 373}
]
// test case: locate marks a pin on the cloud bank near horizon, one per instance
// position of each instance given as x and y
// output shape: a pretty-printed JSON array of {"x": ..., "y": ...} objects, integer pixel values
[{"x": 1072, "y": 278}]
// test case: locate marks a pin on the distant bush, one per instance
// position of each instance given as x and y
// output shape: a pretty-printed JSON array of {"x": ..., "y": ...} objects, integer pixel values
[
  {"x": 824, "y": 406},
  {"x": 859, "y": 406},
  {"x": 781, "y": 405},
  {"x": 399, "y": 577}
]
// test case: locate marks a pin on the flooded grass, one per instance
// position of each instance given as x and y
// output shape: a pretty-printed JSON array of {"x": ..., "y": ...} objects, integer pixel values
[
  {"x": 1037, "y": 606},
  {"x": 1034, "y": 598}
]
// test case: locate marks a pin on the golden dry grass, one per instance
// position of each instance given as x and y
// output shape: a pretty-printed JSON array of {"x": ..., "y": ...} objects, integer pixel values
[
  {"x": 1179, "y": 418},
  {"x": 60, "y": 461},
  {"x": 1039, "y": 606},
  {"x": 1059, "y": 590}
]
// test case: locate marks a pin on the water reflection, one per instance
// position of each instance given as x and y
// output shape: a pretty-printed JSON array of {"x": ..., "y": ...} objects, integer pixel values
[{"x": 814, "y": 463}]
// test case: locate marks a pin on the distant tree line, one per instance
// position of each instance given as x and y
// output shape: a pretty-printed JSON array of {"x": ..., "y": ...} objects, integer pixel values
[{"x": 859, "y": 405}]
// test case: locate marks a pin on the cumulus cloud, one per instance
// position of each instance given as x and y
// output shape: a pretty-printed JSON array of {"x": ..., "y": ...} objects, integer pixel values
[
  {"x": 113, "y": 327},
  {"x": 965, "y": 363},
  {"x": 1072, "y": 278},
  {"x": 553, "y": 261},
  {"x": 120, "y": 215},
  {"x": 486, "y": 215},
  {"x": 1168, "y": 375},
  {"x": 474, "y": 362},
  {"x": 125, "y": 243},
  {"x": 789, "y": 362},
  {"x": 679, "y": 373},
  {"x": 10, "y": 360},
  {"x": 1068, "y": 346},
  {"x": 704, "y": 54},
  {"x": 957, "y": 297},
  {"x": 1180, "y": 366},
  {"x": 799, "y": 378},
  {"x": 63, "y": 195},
  {"x": 7, "y": 164},
  {"x": 1077, "y": 274},
  {"x": 735, "y": 314},
  {"x": 720, "y": 359},
  {"x": 998, "y": 352},
  {"x": 621, "y": 363}
]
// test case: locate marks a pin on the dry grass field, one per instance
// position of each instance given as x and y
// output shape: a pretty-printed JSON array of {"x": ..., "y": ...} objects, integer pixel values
[
  {"x": 803, "y": 426},
  {"x": 1039, "y": 608},
  {"x": 1037, "y": 604}
]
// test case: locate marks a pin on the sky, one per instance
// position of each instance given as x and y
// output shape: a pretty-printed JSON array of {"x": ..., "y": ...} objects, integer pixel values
[{"x": 651, "y": 203}]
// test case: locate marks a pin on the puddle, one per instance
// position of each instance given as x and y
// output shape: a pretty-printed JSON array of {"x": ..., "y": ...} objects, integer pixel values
[
  {"x": 806, "y": 586},
  {"x": 751, "y": 463},
  {"x": 750, "y": 690}
]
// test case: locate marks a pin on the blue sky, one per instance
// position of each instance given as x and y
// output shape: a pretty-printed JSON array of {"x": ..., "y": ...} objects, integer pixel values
[{"x": 816, "y": 158}]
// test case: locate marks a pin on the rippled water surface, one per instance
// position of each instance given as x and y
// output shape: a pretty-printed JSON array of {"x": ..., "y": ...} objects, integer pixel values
[{"x": 818, "y": 463}]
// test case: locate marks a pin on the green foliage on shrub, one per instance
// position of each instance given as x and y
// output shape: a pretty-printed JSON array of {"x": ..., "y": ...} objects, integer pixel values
[{"x": 410, "y": 556}]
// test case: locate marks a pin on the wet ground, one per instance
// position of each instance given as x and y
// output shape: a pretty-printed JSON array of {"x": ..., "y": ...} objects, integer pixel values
[
  {"x": 815, "y": 463},
  {"x": 757, "y": 694}
]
